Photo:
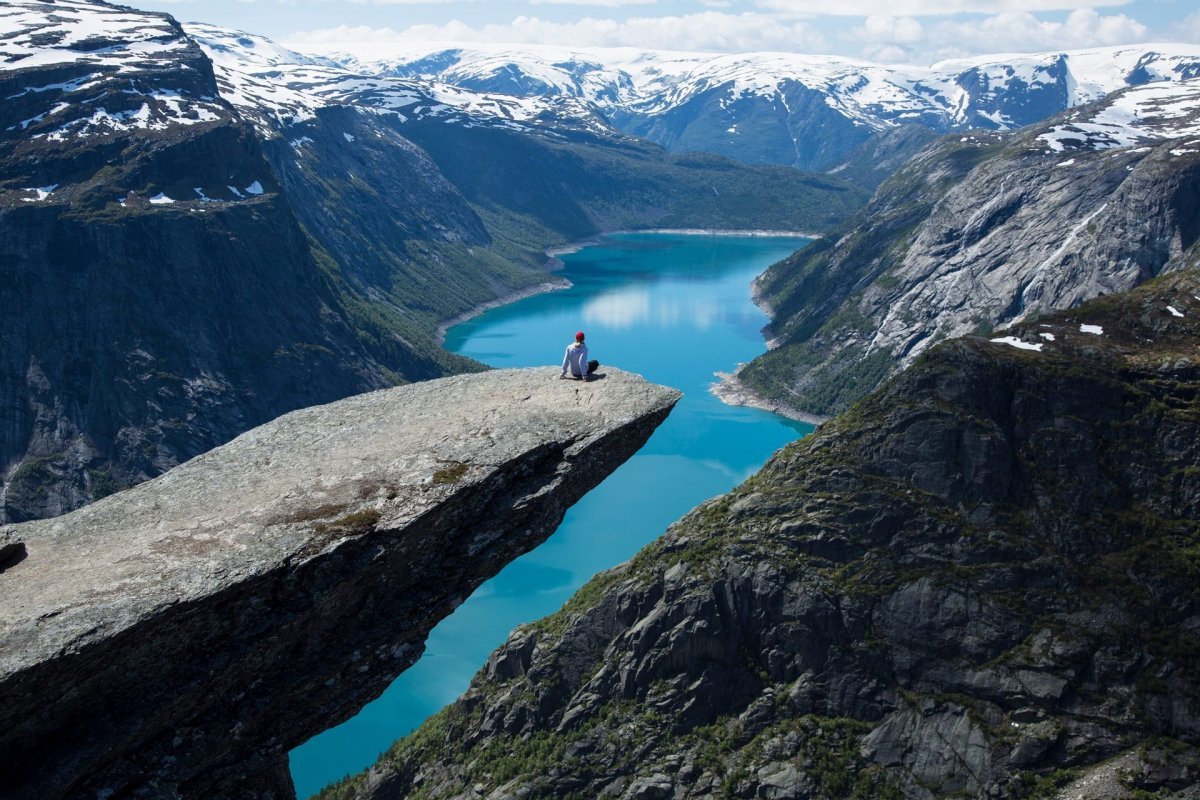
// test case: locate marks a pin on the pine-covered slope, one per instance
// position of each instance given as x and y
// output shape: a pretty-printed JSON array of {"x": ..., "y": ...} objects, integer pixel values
[
  {"x": 201, "y": 230},
  {"x": 979, "y": 231},
  {"x": 979, "y": 582}
]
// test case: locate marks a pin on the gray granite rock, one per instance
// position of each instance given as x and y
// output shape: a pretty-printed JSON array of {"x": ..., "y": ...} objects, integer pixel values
[{"x": 176, "y": 639}]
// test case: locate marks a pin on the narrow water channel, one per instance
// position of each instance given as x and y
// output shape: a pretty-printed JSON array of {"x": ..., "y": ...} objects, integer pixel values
[{"x": 673, "y": 307}]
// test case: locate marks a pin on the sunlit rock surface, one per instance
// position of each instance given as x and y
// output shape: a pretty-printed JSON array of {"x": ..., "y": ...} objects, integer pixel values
[{"x": 176, "y": 639}]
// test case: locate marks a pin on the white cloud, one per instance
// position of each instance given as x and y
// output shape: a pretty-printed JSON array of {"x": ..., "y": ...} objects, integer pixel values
[
  {"x": 704, "y": 31},
  {"x": 893, "y": 40},
  {"x": 605, "y": 3},
  {"x": 343, "y": 34},
  {"x": 1006, "y": 32},
  {"x": 1187, "y": 30},
  {"x": 887, "y": 54},
  {"x": 926, "y": 8},
  {"x": 889, "y": 30}
]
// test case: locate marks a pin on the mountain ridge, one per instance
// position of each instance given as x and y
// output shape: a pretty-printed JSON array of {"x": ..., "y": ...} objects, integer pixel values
[{"x": 784, "y": 108}]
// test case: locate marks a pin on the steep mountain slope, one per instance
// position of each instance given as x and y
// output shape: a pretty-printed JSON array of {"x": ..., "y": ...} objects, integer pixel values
[
  {"x": 874, "y": 161},
  {"x": 982, "y": 230},
  {"x": 143, "y": 327},
  {"x": 784, "y": 108},
  {"x": 203, "y": 230},
  {"x": 979, "y": 582}
]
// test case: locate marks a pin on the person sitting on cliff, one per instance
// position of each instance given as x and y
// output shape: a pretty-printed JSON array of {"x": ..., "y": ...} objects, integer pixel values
[{"x": 575, "y": 360}]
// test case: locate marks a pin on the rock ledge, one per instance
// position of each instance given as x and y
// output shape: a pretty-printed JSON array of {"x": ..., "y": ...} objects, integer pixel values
[{"x": 179, "y": 637}]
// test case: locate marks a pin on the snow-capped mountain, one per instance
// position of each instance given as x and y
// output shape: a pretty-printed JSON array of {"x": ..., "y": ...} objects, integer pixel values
[
  {"x": 101, "y": 69},
  {"x": 113, "y": 69},
  {"x": 1140, "y": 115},
  {"x": 807, "y": 111},
  {"x": 276, "y": 87}
]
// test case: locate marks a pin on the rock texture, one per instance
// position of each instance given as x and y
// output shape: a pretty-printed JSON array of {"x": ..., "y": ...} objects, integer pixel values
[
  {"x": 178, "y": 638},
  {"x": 983, "y": 230},
  {"x": 979, "y": 582}
]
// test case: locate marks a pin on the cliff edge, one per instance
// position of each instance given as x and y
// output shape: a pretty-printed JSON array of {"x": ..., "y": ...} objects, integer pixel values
[{"x": 178, "y": 638}]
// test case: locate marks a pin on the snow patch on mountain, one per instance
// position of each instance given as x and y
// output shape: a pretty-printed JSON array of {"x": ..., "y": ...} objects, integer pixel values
[
  {"x": 96, "y": 69},
  {"x": 77, "y": 30},
  {"x": 1013, "y": 341},
  {"x": 1142, "y": 114}
]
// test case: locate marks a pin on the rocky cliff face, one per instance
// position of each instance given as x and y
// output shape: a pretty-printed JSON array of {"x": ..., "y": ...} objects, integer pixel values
[
  {"x": 177, "y": 639},
  {"x": 161, "y": 295},
  {"x": 980, "y": 582},
  {"x": 982, "y": 230}
]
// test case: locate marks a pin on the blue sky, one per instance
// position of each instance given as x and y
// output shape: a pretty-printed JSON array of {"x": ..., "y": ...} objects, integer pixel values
[{"x": 908, "y": 31}]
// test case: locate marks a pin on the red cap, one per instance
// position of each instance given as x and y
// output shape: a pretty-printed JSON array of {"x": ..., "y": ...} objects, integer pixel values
[{"x": 579, "y": 336}]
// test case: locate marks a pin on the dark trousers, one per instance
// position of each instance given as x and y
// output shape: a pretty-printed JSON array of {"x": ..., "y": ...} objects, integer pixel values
[{"x": 591, "y": 367}]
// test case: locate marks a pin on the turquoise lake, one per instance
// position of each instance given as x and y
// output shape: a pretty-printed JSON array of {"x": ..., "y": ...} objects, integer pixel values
[{"x": 673, "y": 307}]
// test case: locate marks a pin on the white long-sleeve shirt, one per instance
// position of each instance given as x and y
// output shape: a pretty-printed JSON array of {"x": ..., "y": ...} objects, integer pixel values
[{"x": 575, "y": 359}]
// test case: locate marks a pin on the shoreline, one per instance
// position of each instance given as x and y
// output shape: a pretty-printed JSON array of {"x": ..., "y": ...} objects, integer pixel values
[
  {"x": 552, "y": 285},
  {"x": 719, "y": 232},
  {"x": 731, "y": 391},
  {"x": 553, "y": 253},
  {"x": 761, "y": 303}
]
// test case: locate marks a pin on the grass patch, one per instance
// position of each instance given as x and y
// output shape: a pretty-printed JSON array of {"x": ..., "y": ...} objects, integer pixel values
[
  {"x": 358, "y": 522},
  {"x": 449, "y": 474}
]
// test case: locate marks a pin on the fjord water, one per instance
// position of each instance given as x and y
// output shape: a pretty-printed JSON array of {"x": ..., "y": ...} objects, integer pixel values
[{"x": 673, "y": 307}]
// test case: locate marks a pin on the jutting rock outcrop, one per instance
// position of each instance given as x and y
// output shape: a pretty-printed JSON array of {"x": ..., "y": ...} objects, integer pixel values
[
  {"x": 981, "y": 581},
  {"x": 178, "y": 638}
]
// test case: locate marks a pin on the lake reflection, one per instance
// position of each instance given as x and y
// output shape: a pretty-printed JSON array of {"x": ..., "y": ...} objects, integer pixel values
[{"x": 640, "y": 308}]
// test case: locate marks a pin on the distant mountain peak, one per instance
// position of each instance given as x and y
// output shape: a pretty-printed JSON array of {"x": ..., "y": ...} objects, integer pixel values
[{"x": 805, "y": 110}]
